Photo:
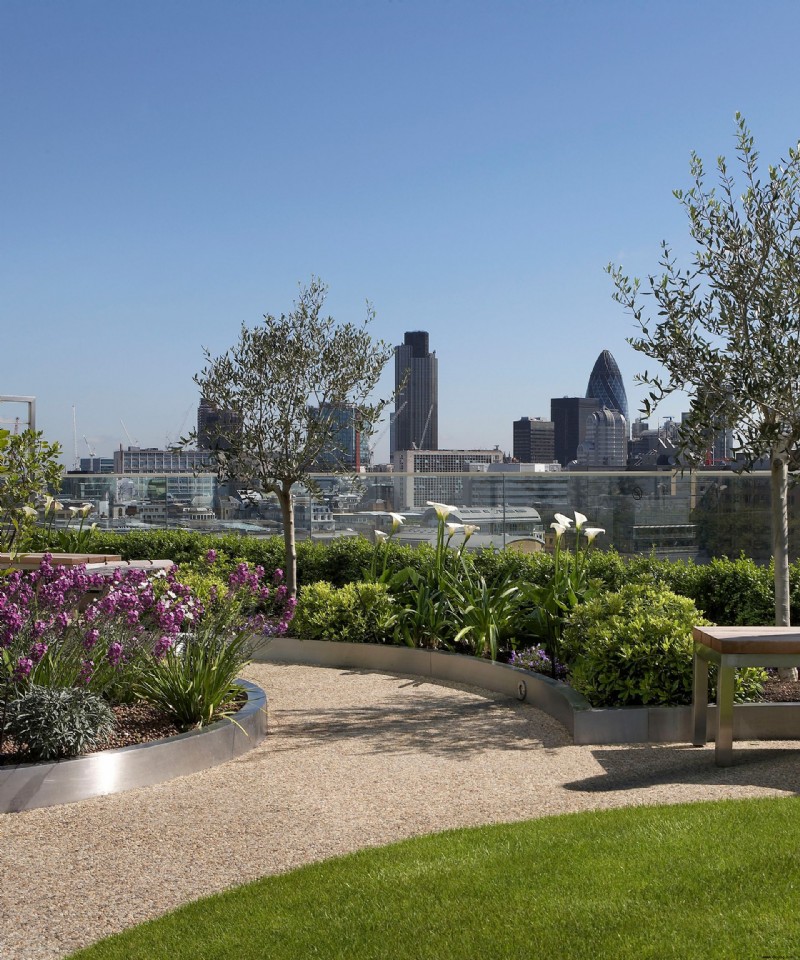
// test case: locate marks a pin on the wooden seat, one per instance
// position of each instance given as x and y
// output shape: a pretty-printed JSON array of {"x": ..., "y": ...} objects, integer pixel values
[{"x": 729, "y": 648}]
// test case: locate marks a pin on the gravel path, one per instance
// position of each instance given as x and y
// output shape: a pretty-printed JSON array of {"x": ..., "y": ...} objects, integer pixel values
[{"x": 353, "y": 759}]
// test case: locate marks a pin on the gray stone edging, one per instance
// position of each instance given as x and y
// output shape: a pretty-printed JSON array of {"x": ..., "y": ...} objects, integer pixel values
[
  {"x": 31, "y": 785},
  {"x": 586, "y": 724}
]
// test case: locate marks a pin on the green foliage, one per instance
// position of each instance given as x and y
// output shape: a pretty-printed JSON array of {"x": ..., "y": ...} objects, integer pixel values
[
  {"x": 570, "y": 585},
  {"x": 729, "y": 592},
  {"x": 634, "y": 647},
  {"x": 194, "y": 681},
  {"x": 725, "y": 328},
  {"x": 28, "y": 467},
  {"x": 283, "y": 385},
  {"x": 54, "y": 723},
  {"x": 356, "y": 612},
  {"x": 485, "y": 614}
]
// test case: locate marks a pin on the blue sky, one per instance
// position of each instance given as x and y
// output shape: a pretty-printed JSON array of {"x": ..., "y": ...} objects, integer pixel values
[{"x": 173, "y": 168}]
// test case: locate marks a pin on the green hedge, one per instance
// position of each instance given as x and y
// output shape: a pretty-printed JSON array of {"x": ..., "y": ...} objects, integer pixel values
[{"x": 728, "y": 592}]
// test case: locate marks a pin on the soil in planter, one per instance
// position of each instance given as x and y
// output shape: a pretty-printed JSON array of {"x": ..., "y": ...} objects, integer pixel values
[
  {"x": 781, "y": 691},
  {"x": 133, "y": 723}
]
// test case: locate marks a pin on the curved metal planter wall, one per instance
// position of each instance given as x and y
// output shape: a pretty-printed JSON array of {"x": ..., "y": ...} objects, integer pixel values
[
  {"x": 32, "y": 785},
  {"x": 586, "y": 724}
]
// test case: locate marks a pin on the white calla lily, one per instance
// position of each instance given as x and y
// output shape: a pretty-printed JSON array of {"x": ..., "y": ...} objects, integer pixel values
[
  {"x": 561, "y": 520},
  {"x": 74, "y": 511},
  {"x": 48, "y": 503},
  {"x": 454, "y": 528},
  {"x": 86, "y": 509},
  {"x": 469, "y": 529},
  {"x": 381, "y": 537},
  {"x": 559, "y": 528},
  {"x": 591, "y": 532},
  {"x": 443, "y": 510},
  {"x": 397, "y": 521},
  {"x": 30, "y": 511},
  {"x": 580, "y": 519}
]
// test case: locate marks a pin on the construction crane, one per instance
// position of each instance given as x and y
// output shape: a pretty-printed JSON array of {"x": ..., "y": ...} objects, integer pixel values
[
  {"x": 425, "y": 429},
  {"x": 76, "y": 460},
  {"x": 373, "y": 443},
  {"x": 131, "y": 440}
]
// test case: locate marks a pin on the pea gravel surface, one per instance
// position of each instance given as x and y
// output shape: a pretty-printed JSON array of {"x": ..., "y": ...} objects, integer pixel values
[{"x": 353, "y": 759}]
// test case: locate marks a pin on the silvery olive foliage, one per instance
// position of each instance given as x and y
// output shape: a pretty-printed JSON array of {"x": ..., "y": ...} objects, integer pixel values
[
  {"x": 726, "y": 328},
  {"x": 276, "y": 384}
]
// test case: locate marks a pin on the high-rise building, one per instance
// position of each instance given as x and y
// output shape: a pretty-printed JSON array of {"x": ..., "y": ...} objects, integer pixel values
[
  {"x": 605, "y": 383},
  {"x": 345, "y": 451},
  {"x": 415, "y": 424},
  {"x": 569, "y": 416},
  {"x": 606, "y": 442},
  {"x": 214, "y": 426},
  {"x": 534, "y": 440}
]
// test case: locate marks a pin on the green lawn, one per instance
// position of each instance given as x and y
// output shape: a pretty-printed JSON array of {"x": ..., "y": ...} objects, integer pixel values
[{"x": 698, "y": 880}]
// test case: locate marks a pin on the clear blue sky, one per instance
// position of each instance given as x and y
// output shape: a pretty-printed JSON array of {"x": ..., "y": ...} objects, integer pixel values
[{"x": 172, "y": 168}]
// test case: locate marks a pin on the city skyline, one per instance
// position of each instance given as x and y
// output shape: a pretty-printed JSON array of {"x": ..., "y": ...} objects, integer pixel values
[{"x": 470, "y": 170}]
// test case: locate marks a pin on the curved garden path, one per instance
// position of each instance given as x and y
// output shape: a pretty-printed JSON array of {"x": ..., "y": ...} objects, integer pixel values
[{"x": 353, "y": 759}]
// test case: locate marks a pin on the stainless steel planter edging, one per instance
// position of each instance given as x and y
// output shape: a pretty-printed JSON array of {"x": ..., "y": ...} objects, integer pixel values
[
  {"x": 31, "y": 785},
  {"x": 588, "y": 726}
]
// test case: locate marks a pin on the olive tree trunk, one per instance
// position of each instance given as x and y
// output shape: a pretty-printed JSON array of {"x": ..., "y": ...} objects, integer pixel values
[
  {"x": 779, "y": 490},
  {"x": 284, "y": 493}
]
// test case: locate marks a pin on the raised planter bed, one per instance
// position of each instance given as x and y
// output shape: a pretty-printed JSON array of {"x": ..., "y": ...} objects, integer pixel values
[
  {"x": 586, "y": 724},
  {"x": 32, "y": 561},
  {"x": 31, "y": 785}
]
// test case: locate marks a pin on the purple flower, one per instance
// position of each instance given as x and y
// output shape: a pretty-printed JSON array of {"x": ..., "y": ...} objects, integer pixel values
[
  {"x": 38, "y": 628},
  {"x": 90, "y": 639},
  {"x": 38, "y": 650},
  {"x": 114, "y": 654},
  {"x": 277, "y": 576},
  {"x": 87, "y": 669},
  {"x": 211, "y": 556},
  {"x": 162, "y": 645},
  {"x": 23, "y": 669}
]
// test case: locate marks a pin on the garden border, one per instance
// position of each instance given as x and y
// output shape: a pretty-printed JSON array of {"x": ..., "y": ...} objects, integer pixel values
[
  {"x": 31, "y": 785},
  {"x": 588, "y": 726}
]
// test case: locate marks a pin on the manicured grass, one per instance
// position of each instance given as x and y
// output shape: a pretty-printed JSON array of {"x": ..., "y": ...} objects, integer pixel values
[{"x": 701, "y": 880}]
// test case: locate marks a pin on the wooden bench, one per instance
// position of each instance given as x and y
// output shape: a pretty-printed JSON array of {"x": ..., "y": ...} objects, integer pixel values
[{"x": 729, "y": 648}]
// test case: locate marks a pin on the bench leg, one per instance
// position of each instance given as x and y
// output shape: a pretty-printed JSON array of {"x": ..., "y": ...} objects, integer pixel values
[
  {"x": 699, "y": 701},
  {"x": 723, "y": 751}
]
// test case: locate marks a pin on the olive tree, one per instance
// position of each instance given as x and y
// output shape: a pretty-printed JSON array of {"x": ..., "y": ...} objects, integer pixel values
[
  {"x": 280, "y": 387},
  {"x": 726, "y": 328}
]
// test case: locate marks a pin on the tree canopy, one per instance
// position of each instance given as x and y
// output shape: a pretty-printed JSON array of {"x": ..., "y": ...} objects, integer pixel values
[
  {"x": 282, "y": 387},
  {"x": 726, "y": 328}
]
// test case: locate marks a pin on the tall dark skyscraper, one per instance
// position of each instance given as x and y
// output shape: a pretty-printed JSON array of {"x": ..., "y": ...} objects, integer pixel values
[
  {"x": 569, "y": 416},
  {"x": 605, "y": 383},
  {"x": 415, "y": 421}
]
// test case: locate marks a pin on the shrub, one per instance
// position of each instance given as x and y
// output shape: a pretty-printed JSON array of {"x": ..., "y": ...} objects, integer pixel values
[
  {"x": 634, "y": 647},
  {"x": 54, "y": 723},
  {"x": 356, "y": 612}
]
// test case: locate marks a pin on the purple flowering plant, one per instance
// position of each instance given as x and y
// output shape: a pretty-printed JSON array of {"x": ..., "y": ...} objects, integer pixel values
[{"x": 65, "y": 627}]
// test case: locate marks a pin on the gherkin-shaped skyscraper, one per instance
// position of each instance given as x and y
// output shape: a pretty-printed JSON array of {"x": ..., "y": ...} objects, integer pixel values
[{"x": 605, "y": 384}]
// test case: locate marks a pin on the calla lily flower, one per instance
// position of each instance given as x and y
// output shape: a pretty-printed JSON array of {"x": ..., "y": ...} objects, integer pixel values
[
  {"x": 443, "y": 510},
  {"x": 469, "y": 529},
  {"x": 30, "y": 511},
  {"x": 453, "y": 528},
  {"x": 48, "y": 502},
  {"x": 86, "y": 509},
  {"x": 580, "y": 519},
  {"x": 74, "y": 511},
  {"x": 397, "y": 520},
  {"x": 591, "y": 532},
  {"x": 559, "y": 528},
  {"x": 561, "y": 520},
  {"x": 381, "y": 537}
]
